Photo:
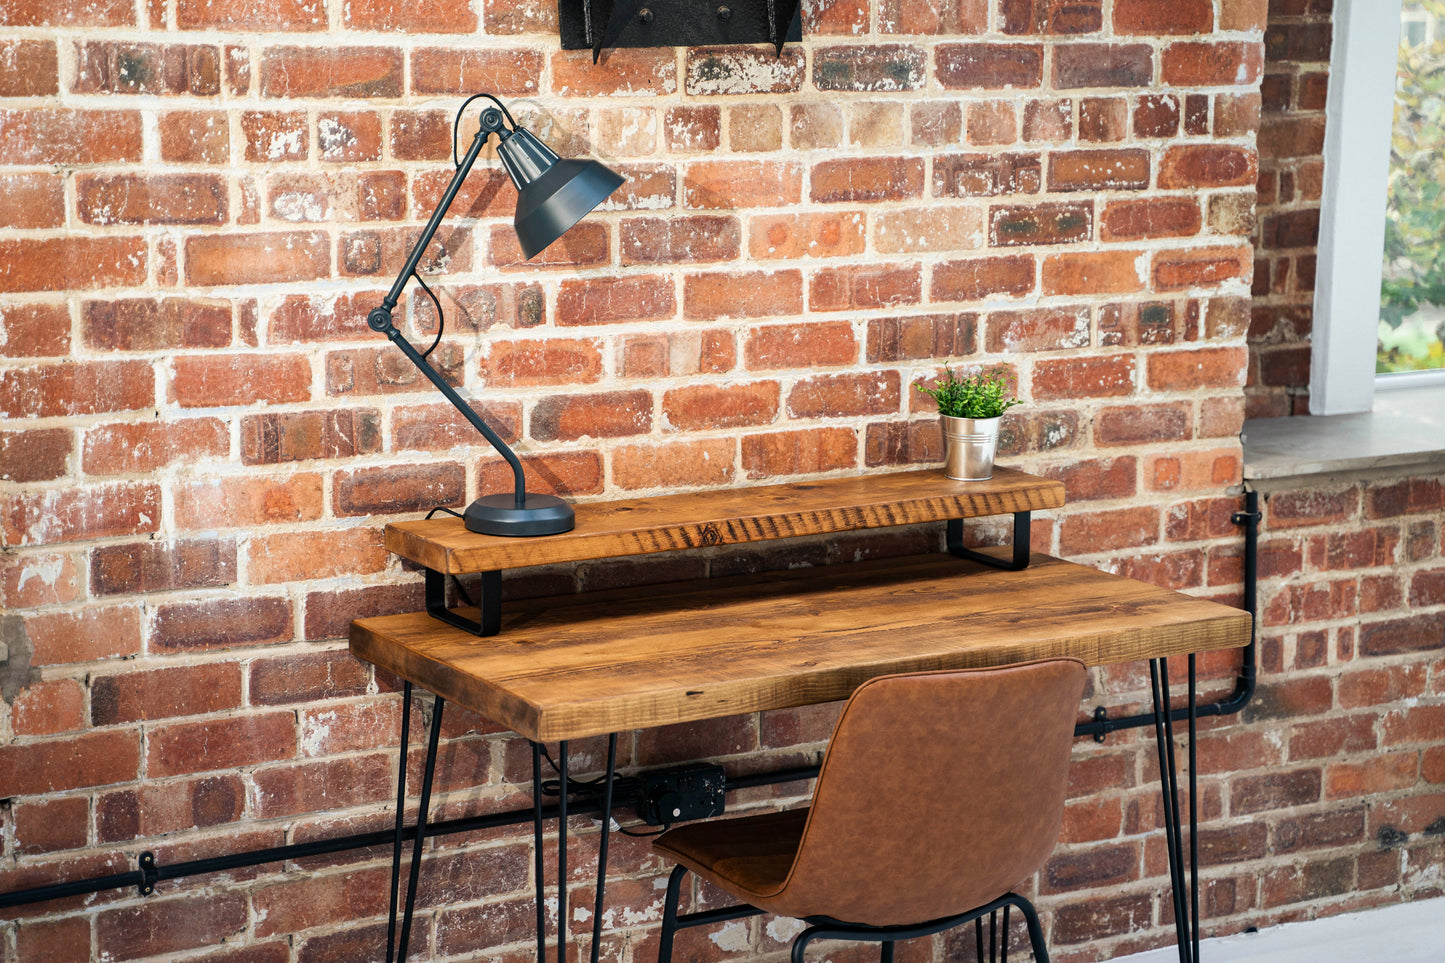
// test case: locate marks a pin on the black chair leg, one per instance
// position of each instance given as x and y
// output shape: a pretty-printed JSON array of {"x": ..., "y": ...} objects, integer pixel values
[
  {"x": 669, "y": 914},
  {"x": 1036, "y": 932},
  {"x": 887, "y": 955},
  {"x": 800, "y": 943}
]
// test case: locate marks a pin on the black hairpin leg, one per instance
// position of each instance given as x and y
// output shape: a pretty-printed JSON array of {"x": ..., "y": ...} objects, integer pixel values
[
  {"x": 1020, "y": 558},
  {"x": 1185, "y": 899},
  {"x": 400, "y": 821},
  {"x": 562, "y": 853},
  {"x": 602, "y": 847},
  {"x": 537, "y": 863},
  {"x": 426, "y": 783},
  {"x": 489, "y": 608}
]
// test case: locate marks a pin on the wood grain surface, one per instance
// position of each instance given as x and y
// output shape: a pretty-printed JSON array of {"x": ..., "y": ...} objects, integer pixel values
[
  {"x": 728, "y": 516},
  {"x": 574, "y": 666}
]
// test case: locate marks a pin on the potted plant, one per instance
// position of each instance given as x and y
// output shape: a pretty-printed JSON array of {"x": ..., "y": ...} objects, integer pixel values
[{"x": 970, "y": 408}]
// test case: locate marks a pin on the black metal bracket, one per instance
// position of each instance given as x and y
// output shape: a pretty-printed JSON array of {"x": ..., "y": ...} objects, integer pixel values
[
  {"x": 1020, "y": 559},
  {"x": 489, "y": 607},
  {"x": 598, "y": 24},
  {"x": 149, "y": 874}
]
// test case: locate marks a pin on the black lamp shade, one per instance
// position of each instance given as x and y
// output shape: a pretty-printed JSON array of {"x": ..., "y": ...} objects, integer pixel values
[{"x": 552, "y": 194}]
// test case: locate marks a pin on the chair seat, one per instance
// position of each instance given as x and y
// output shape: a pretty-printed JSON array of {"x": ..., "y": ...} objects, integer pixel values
[{"x": 750, "y": 856}]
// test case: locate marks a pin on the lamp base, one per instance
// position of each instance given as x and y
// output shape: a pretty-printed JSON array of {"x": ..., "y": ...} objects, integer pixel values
[{"x": 499, "y": 515}]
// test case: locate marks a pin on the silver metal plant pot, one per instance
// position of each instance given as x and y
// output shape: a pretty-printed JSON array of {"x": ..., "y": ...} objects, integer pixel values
[{"x": 969, "y": 445}]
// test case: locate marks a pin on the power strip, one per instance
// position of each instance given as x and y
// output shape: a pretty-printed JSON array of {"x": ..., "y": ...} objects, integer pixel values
[{"x": 675, "y": 795}]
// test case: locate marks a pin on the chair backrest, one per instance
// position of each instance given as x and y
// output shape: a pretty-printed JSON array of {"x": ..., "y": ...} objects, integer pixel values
[{"x": 939, "y": 792}]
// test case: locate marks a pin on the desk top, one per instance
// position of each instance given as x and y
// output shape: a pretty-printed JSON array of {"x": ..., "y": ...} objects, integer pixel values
[
  {"x": 727, "y": 516},
  {"x": 574, "y": 666}
]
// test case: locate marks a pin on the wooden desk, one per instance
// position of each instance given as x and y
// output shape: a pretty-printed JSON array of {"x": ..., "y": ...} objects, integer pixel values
[{"x": 567, "y": 667}]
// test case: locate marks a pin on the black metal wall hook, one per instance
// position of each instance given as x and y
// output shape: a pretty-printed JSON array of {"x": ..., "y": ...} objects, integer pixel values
[{"x": 597, "y": 25}]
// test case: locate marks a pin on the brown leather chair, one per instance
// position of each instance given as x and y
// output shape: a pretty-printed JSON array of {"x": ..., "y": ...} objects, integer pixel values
[{"x": 939, "y": 792}]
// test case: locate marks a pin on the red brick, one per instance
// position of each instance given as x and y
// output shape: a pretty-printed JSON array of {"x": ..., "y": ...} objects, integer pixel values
[
  {"x": 75, "y": 762},
  {"x": 1200, "y": 267},
  {"x": 428, "y": 16},
  {"x": 1050, "y": 17},
  {"x": 717, "y": 296},
  {"x": 170, "y": 926},
  {"x": 1040, "y": 329},
  {"x": 1012, "y": 225},
  {"x": 82, "y": 388},
  {"x": 37, "y": 455},
  {"x": 743, "y": 70},
  {"x": 1208, "y": 470},
  {"x": 1408, "y": 497},
  {"x": 1093, "y": 272},
  {"x": 52, "y": 825},
  {"x": 319, "y": 787},
  {"x": 34, "y": 330},
  {"x": 138, "y": 567},
  {"x": 147, "y": 68},
  {"x": 85, "y": 635},
  {"x": 1156, "y": 115},
  {"x": 71, "y": 263},
  {"x": 924, "y": 336},
  {"x": 1158, "y": 17},
  {"x": 606, "y": 415},
  {"x": 731, "y": 185},
  {"x": 264, "y": 15},
  {"x": 350, "y": 72},
  {"x": 1196, "y": 368},
  {"x": 38, "y": 578},
  {"x": 877, "y": 67},
  {"x": 439, "y": 426},
  {"x": 1149, "y": 218},
  {"x": 267, "y": 258},
  {"x": 1087, "y": 920},
  {"x": 81, "y": 513},
  {"x": 161, "y": 693},
  {"x": 152, "y": 324},
  {"x": 272, "y": 439},
  {"x": 809, "y": 345},
  {"x": 566, "y": 473},
  {"x": 586, "y": 244},
  {"x": 1103, "y": 65},
  {"x": 207, "y": 625},
  {"x": 799, "y": 452},
  {"x": 68, "y": 13},
  {"x": 396, "y": 490},
  {"x": 624, "y": 72},
  {"x": 207, "y": 382},
  {"x": 298, "y": 556},
  {"x": 166, "y": 807},
  {"x": 1096, "y": 478},
  {"x": 246, "y": 501},
  {"x": 350, "y": 136},
  {"x": 865, "y": 287},
  {"x": 31, "y": 201},
  {"x": 1103, "y": 119},
  {"x": 708, "y": 406},
  {"x": 557, "y": 361},
  {"x": 138, "y": 447},
  {"x": 983, "y": 278},
  {"x": 986, "y": 175},
  {"x": 865, "y": 179},
  {"x": 1048, "y": 121},
  {"x": 47, "y": 707},
  {"x": 690, "y": 128},
  {"x": 1207, "y": 165},
  {"x": 195, "y": 137},
  {"x": 1427, "y": 587},
  {"x": 36, "y": 135},
  {"x": 1103, "y": 531},
  {"x": 988, "y": 66},
  {"x": 845, "y": 395},
  {"x": 275, "y": 135},
  {"x": 187, "y": 747},
  {"x": 672, "y": 466},
  {"x": 1093, "y": 170},
  {"x": 821, "y": 234},
  {"x": 1100, "y": 377},
  {"x": 673, "y": 240},
  {"x": 508, "y": 73}
]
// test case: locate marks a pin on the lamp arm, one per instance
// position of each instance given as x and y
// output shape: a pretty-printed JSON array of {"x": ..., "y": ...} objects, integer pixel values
[{"x": 380, "y": 318}]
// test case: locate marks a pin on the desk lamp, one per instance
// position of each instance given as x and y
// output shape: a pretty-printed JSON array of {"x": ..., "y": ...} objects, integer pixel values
[{"x": 552, "y": 195}]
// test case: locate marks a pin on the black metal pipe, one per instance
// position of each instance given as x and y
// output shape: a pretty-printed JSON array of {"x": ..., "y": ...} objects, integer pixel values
[{"x": 1243, "y": 693}]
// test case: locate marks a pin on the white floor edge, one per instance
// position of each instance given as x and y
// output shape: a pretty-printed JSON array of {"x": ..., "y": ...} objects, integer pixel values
[{"x": 1402, "y": 933}]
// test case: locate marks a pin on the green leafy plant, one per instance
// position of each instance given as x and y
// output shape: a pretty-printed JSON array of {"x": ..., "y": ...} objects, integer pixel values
[
  {"x": 983, "y": 395},
  {"x": 1413, "y": 288}
]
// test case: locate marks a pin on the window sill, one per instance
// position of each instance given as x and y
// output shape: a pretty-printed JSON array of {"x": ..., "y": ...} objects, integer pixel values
[{"x": 1406, "y": 427}]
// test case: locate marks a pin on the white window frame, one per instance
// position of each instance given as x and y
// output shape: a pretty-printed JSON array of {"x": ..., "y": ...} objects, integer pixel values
[{"x": 1359, "y": 117}]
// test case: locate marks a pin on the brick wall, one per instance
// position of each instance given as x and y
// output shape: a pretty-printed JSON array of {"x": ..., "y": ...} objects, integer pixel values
[
  {"x": 1291, "y": 165},
  {"x": 202, "y": 440}
]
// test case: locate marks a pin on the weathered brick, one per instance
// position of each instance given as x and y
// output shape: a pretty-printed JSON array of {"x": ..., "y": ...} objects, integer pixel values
[
  {"x": 743, "y": 70},
  {"x": 37, "y": 455},
  {"x": 267, "y": 15},
  {"x": 389, "y": 491},
  {"x": 267, "y": 258},
  {"x": 73, "y": 762},
  {"x": 670, "y": 240},
  {"x": 756, "y": 294},
  {"x": 429, "y": 16},
  {"x": 1153, "y": 17},
  {"x": 1103, "y": 65},
  {"x": 866, "y": 179},
  {"x": 637, "y": 72},
  {"x": 72, "y": 137},
  {"x": 71, "y": 263},
  {"x": 1014, "y": 225},
  {"x": 879, "y": 67},
  {"x": 1098, "y": 377},
  {"x": 799, "y": 452},
  {"x": 81, "y": 513},
  {"x": 605, "y": 415},
  {"x": 351, "y": 72},
  {"x": 31, "y": 201},
  {"x": 845, "y": 395},
  {"x": 677, "y": 465},
  {"x": 1092, "y": 170},
  {"x": 1093, "y": 272},
  {"x": 864, "y": 287},
  {"x": 988, "y": 66},
  {"x": 981, "y": 278}
]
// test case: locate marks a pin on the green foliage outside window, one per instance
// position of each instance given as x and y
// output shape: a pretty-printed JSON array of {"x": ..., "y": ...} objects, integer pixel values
[{"x": 1412, "y": 296}]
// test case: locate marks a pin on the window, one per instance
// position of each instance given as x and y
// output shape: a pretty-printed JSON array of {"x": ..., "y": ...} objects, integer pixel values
[{"x": 1360, "y": 113}]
